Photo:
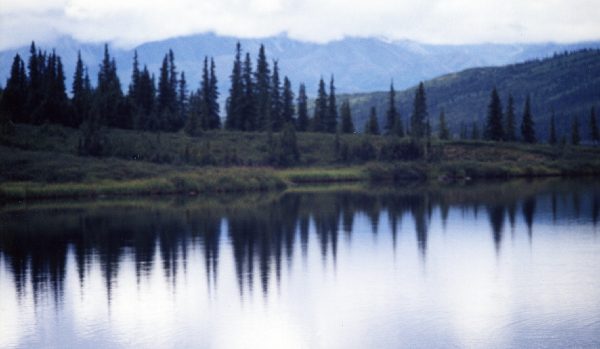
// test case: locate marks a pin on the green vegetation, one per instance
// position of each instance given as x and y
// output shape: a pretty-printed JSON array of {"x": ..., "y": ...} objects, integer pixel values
[
  {"x": 43, "y": 161},
  {"x": 563, "y": 83}
]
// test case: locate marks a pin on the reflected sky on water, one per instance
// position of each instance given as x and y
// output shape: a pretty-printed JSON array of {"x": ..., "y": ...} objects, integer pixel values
[{"x": 490, "y": 265}]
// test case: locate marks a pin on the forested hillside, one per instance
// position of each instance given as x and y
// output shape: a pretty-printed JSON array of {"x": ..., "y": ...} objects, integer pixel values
[{"x": 567, "y": 83}]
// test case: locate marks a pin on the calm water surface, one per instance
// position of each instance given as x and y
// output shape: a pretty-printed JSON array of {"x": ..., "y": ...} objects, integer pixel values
[{"x": 494, "y": 265}]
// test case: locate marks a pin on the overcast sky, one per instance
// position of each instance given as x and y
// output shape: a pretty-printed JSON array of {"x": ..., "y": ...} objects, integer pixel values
[{"x": 130, "y": 22}]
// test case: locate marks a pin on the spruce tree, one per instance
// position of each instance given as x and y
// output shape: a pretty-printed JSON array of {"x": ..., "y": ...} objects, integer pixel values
[
  {"x": 493, "y": 128},
  {"x": 527, "y": 125},
  {"x": 182, "y": 101},
  {"x": 81, "y": 93},
  {"x": 146, "y": 103},
  {"x": 575, "y": 136},
  {"x": 262, "y": 91},
  {"x": 302, "y": 121},
  {"x": 510, "y": 133},
  {"x": 55, "y": 105},
  {"x": 14, "y": 97},
  {"x": 444, "y": 133},
  {"x": 35, "y": 88},
  {"x": 331, "y": 120},
  {"x": 193, "y": 125},
  {"x": 594, "y": 133},
  {"x": 372, "y": 126},
  {"x": 418, "y": 122},
  {"x": 275, "y": 97},
  {"x": 234, "y": 104},
  {"x": 250, "y": 118},
  {"x": 320, "y": 115},
  {"x": 391, "y": 116},
  {"x": 108, "y": 92},
  {"x": 287, "y": 102},
  {"x": 213, "y": 98},
  {"x": 135, "y": 79},
  {"x": 347, "y": 125},
  {"x": 204, "y": 94},
  {"x": 552, "y": 139}
]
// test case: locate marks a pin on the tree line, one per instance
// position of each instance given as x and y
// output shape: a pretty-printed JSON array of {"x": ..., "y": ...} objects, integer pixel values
[{"x": 259, "y": 100}]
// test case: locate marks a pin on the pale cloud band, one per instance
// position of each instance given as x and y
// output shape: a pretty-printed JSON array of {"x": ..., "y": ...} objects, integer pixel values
[{"x": 131, "y": 22}]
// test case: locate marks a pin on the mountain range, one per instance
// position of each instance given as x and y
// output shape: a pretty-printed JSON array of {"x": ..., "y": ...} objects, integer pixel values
[{"x": 358, "y": 64}]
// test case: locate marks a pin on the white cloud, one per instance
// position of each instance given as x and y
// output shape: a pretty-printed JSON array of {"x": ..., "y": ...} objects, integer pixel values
[{"x": 131, "y": 22}]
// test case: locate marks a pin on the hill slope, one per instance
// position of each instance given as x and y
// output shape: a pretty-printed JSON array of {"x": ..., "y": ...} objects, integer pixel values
[
  {"x": 359, "y": 64},
  {"x": 568, "y": 83}
]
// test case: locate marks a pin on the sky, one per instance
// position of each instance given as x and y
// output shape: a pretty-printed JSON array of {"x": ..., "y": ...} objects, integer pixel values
[{"x": 127, "y": 23}]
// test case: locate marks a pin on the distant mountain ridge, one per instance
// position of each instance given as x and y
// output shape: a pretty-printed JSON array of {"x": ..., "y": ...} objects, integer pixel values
[
  {"x": 567, "y": 83},
  {"x": 358, "y": 64}
]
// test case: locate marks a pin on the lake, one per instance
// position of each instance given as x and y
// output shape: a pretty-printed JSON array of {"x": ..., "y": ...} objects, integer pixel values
[{"x": 483, "y": 265}]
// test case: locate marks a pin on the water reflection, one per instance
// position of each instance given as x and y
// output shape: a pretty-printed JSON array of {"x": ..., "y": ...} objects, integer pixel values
[{"x": 265, "y": 235}]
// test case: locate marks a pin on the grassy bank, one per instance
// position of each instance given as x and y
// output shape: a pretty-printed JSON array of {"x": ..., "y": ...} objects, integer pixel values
[{"x": 42, "y": 161}]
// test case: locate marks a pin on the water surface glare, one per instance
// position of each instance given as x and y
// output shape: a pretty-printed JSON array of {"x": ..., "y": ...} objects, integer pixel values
[{"x": 487, "y": 265}]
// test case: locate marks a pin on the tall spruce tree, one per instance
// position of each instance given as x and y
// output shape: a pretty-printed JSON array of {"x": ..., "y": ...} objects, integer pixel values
[
  {"x": 14, "y": 97},
  {"x": 234, "y": 104},
  {"x": 347, "y": 125},
  {"x": 215, "y": 119},
  {"x": 372, "y": 126},
  {"x": 493, "y": 127},
  {"x": 35, "y": 88},
  {"x": 193, "y": 126},
  {"x": 444, "y": 133},
  {"x": 182, "y": 101},
  {"x": 419, "y": 117},
  {"x": 287, "y": 103},
  {"x": 205, "y": 118},
  {"x": 81, "y": 93},
  {"x": 391, "y": 116},
  {"x": 108, "y": 92},
  {"x": 276, "y": 102},
  {"x": 575, "y": 135},
  {"x": 320, "y": 112},
  {"x": 594, "y": 133},
  {"x": 332, "y": 116},
  {"x": 262, "y": 91},
  {"x": 249, "y": 113},
  {"x": 302, "y": 121},
  {"x": 552, "y": 138},
  {"x": 527, "y": 125},
  {"x": 510, "y": 130}
]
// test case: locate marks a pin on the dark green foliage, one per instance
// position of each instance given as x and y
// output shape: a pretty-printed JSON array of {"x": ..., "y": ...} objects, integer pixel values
[
  {"x": 193, "y": 126},
  {"x": 276, "y": 100},
  {"x": 82, "y": 93},
  {"x": 527, "y": 125},
  {"x": 14, "y": 97},
  {"x": 108, "y": 96},
  {"x": 575, "y": 134},
  {"x": 391, "y": 117},
  {"x": 419, "y": 117},
  {"x": 182, "y": 101},
  {"x": 287, "y": 103},
  {"x": 347, "y": 125},
  {"x": 372, "y": 126},
  {"x": 249, "y": 112},
  {"x": 289, "y": 153},
  {"x": 365, "y": 151},
  {"x": 552, "y": 139},
  {"x": 93, "y": 141},
  {"x": 144, "y": 104},
  {"x": 493, "y": 127},
  {"x": 444, "y": 133},
  {"x": 332, "y": 116},
  {"x": 400, "y": 150},
  {"x": 235, "y": 101},
  {"x": 166, "y": 103},
  {"x": 594, "y": 133},
  {"x": 35, "y": 88},
  {"x": 510, "y": 129},
  {"x": 302, "y": 120},
  {"x": 209, "y": 94},
  {"x": 262, "y": 78},
  {"x": 320, "y": 116}
]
